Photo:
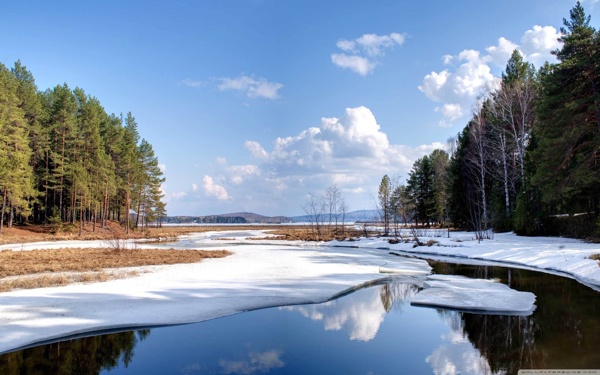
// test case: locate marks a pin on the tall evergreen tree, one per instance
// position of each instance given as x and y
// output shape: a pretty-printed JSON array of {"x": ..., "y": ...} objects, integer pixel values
[
  {"x": 150, "y": 192},
  {"x": 31, "y": 105},
  {"x": 16, "y": 175},
  {"x": 420, "y": 188},
  {"x": 384, "y": 196},
  {"x": 567, "y": 167}
]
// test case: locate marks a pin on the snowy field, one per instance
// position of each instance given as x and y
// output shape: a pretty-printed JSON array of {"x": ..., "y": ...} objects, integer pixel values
[{"x": 274, "y": 273}]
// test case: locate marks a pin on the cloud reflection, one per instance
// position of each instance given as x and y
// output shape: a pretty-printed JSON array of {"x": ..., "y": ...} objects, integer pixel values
[
  {"x": 257, "y": 362},
  {"x": 362, "y": 314}
]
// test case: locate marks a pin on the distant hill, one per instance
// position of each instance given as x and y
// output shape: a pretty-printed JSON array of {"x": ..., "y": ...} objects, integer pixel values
[
  {"x": 352, "y": 216},
  {"x": 230, "y": 218},
  {"x": 252, "y": 218}
]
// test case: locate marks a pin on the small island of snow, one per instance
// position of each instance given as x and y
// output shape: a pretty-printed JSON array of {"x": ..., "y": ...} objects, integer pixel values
[{"x": 477, "y": 295}]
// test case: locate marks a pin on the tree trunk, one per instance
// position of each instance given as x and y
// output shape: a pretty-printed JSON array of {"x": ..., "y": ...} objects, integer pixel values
[{"x": 2, "y": 212}]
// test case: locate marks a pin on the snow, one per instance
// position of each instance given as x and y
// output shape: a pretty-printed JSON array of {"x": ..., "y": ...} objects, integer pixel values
[
  {"x": 563, "y": 256},
  {"x": 263, "y": 273},
  {"x": 255, "y": 276},
  {"x": 475, "y": 295}
]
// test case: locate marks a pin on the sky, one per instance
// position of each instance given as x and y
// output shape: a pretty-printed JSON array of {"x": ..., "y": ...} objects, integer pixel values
[{"x": 254, "y": 105}]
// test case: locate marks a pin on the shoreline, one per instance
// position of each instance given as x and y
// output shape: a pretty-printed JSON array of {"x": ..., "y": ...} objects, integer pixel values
[{"x": 258, "y": 274}]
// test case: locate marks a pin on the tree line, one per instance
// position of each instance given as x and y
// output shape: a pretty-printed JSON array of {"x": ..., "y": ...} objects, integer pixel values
[
  {"x": 63, "y": 159},
  {"x": 529, "y": 158}
]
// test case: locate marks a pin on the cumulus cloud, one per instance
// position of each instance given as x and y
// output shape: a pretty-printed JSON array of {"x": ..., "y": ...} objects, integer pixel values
[
  {"x": 352, "y": 151},
  {"x": 214, "y": 190},
  {"x": 360, "y": 55},
  {"x": 253, "y": 87},
  {"x": 358, "y": 64},
  {"x": 537, "y": 44},
  {"x": 469, "y": 74}
]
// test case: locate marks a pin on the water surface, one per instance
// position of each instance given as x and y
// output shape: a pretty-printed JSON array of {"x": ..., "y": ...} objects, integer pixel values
[{"x": 372, "y": 331}]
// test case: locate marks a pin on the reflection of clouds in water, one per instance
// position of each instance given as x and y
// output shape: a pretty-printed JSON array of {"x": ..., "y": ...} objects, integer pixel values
[
  {"x": 257, "y": 361},
  {"x": 361, "y": 313},
  {"x": 457, "y": 355}
]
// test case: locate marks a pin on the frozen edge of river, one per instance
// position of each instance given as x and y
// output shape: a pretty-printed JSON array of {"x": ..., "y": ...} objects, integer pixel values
[{"x": 174, "y": 294}]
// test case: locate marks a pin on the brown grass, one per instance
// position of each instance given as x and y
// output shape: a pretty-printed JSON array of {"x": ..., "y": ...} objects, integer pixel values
[
  {"x": 42, "y": 268},
  {"x": 16, "y": 263},
  {"x": 48, "y": 280},
  {"x": 306, "y": 233}
]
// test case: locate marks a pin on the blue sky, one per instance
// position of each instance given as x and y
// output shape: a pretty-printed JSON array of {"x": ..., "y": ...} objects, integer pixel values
[{"x": 251, "y": 105}]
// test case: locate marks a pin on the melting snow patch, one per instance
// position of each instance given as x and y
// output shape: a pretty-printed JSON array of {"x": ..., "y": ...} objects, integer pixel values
[{"x": 475, "y": 295}]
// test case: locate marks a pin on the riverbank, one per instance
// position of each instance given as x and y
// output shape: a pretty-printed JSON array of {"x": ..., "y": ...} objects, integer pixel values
[
  {"x": 562, "y": 256},
  {"x": 260, "y": 273}
]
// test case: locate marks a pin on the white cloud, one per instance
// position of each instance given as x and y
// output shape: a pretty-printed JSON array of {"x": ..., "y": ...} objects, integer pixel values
[
  {"x": 451, "y": 110},
  {"x": 469, "y": 73},
  {"x": 373, "y": 44},
  {"x": 253, "y": 87},
  {"x": 352, "y": 151},
  {"x": 162, "y": 167},
  {"x": 358, "y": 64},
  {"x": 214, "y": 190},
  {"x": 256, "y": 150},
  {"x": 361, "y": 53},
  {"x": 500, "y": 53},
  {"x": 536, "y": 44}
]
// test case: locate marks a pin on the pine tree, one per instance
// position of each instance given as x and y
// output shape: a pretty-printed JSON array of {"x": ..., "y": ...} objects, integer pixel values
[
  {"x": 420, "y": 188},
  {"x": 16, "y": 174},
  {"x": 568, "y": 131},
  {"x": 150, "y": 192},
  {"x": 31, "y": 105},
  {"x": 385, "y": 204}
]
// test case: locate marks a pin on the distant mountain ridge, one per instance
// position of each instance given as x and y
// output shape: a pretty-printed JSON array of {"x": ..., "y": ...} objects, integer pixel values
[
  {"x": 253, "y": 218},
  {"x": 230, "y": 218}
]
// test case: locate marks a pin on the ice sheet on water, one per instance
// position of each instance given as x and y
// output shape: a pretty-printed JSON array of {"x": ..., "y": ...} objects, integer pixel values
[{"x": 476, "y": 295}]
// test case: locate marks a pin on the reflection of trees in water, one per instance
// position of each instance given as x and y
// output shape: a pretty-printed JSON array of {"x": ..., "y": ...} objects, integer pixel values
[
  {"x": 86, "y": 356},
  {"x": 563, "y": 332},
  {"x": 506, "y": 341},
  {"x": 395, "y": 294}
]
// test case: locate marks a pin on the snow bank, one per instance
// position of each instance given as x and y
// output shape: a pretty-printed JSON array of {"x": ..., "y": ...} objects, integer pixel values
[
  {"x": 557, "y": 255},
  {"x": 475, "y": 295}
]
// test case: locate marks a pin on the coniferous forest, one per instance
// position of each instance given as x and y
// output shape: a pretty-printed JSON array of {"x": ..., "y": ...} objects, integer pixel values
[
  {"x": 63, "y": 159},
  {"x": 529, "y": 158}
]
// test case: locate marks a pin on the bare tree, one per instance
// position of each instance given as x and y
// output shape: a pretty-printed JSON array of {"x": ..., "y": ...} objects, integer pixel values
[
  {"x": 477, "y": 161},
  {"x": 314, "y": 210}
]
